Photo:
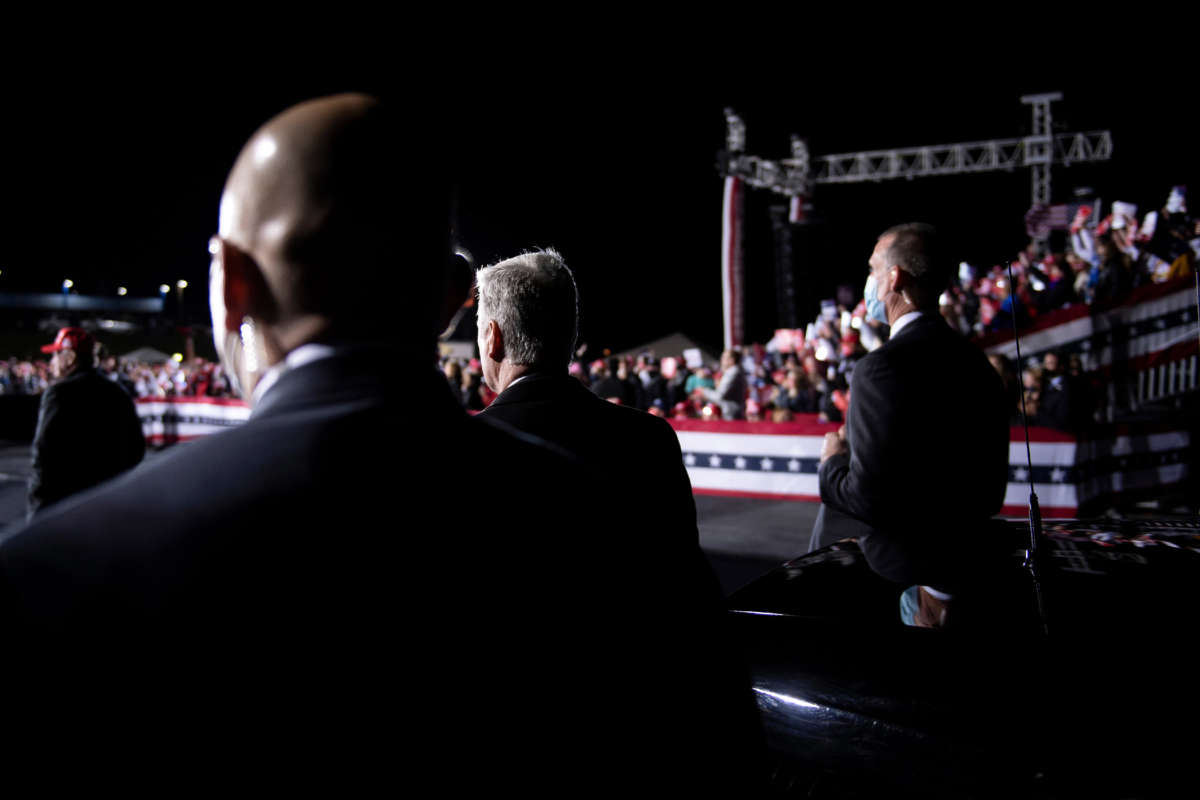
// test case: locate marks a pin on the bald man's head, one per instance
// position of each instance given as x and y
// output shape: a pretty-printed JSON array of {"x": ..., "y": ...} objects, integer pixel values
[{"x": 345, "y": 218}]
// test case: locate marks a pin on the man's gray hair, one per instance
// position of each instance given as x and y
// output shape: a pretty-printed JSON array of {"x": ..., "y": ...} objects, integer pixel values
[{"x": 532, "y": 297}]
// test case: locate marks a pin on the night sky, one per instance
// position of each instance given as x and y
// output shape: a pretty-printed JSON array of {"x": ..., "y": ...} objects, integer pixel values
[{"x": 115, "y": 174}]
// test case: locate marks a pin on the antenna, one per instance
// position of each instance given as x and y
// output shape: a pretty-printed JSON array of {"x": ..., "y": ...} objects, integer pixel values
[{"x": 1035, "y": 512}]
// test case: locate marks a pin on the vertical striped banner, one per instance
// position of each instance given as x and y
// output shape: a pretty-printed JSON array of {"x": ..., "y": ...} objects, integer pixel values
[{"x": 731, "y": 262}]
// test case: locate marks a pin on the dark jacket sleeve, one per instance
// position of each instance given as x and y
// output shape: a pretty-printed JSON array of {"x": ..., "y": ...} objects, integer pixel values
[
  {"x": 46, "y": 451},
  {"x": 854, "y": 483}
]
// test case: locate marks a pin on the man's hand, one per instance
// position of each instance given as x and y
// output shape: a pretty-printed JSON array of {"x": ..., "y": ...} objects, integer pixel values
[{"x": 834, "y": 443}]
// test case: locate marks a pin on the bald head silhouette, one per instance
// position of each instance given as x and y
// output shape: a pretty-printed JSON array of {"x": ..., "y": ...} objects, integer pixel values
[{"x": 333, "y": 226}]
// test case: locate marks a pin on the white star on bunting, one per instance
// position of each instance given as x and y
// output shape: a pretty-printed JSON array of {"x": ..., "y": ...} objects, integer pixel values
[
  {"x": 1020, "y": 474},
  {"x": 794, "y": 465},
  {"x": 1057, "y": 475},
  {"x": 739, "y": 462},
  {"x": 767, "y": 464},
  {"x": 714, "y": 461},
  {"x": 690, "y": 460}
]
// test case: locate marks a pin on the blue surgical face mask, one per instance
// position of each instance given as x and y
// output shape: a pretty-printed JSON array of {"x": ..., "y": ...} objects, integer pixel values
[{"x": 875, "y": 308}]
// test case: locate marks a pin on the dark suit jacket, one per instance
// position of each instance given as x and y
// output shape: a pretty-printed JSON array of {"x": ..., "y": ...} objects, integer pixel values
[
  {"x": 636, "y": 451},
  {"x": 87, "y": 432},
  {"x": 928, "y": 461},
  {"x": 328, "y": 585},
  {"x": 328, "y": 590},
  {"x": 645, "y": 509}
]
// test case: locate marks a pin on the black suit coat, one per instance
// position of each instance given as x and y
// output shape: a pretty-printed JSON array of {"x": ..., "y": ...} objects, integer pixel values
[
  {"x": 661, "y": 565},
  {"x": 329, "y": 585},
  {"x": 324, "y": 596},
  {"x": 928, "y": 462},
  {"x": 637, "y": 452},
  {"x": 87, "y": 432}
]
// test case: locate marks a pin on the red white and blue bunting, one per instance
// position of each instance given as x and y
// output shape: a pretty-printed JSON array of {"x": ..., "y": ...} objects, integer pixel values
[
  {"x": 780, "y": 461},
  {"x": 178, "y": 419}
]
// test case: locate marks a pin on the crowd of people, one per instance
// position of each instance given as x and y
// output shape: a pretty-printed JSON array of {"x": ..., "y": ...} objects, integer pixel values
[
  {"x": 1100, "y": 264},
  {"x": 197, "y": 377},
  {"x": 808, "y": 371},
  {"x": 756, "y": 385}
]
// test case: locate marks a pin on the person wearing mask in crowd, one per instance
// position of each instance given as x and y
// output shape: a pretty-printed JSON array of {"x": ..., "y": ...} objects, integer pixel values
[
  {"x": 1031, "y": 385},
  {"x": 1114, "y": 280},
  {"x": 797, "y": 395},
  {"x": 608, "y": 386},
  {"x": 654, "y": 385},
  {"x": 109, "y": 368},
  {"x": 730, "y": 393},
  {"x": 88, "y": 430},
  {"x": 924, "y": 453},
  {"x": 700, "y": 378},
  {"x": 1057, "y": 406},
  {"x": 528, "y": 312},
  {"x": 271, "y": 584}
]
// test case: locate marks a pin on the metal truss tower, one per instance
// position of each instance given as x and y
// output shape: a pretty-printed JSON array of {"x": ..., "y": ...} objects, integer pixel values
[{"x": 796, "y": 176}]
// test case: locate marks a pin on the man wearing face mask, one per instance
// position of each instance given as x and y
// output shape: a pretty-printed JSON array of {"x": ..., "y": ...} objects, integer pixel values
[{"x": 922, "y": 461}]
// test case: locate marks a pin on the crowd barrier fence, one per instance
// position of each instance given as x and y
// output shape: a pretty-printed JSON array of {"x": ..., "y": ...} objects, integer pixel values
[
  {"x": 1145, "y": 349},
  {"x": 167, "y": 420},
  {"x": 780, "y": 460}
]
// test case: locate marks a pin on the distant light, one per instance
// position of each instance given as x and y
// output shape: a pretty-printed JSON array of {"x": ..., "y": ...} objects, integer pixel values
[
  {"x": 214, "y": 245},
  {"x": 856, "y": 322},
  {"x": 67, "y": 284},
  {"x": 163, "y": 289},
  {"x": 178, "y": 358},
  {"x": 121, "y": 290},
  {"x": 181, "y": 283}
]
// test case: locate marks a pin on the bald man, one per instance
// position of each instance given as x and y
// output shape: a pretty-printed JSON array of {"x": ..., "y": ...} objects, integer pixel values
[{"x": 321, "y": 582}]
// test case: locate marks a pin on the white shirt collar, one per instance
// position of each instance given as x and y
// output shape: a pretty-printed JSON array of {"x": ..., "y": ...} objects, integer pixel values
[
  {"x": 904, "y": 320},
  {"x": 304, "y": 354},
  {"x": 518, "y": 379}
]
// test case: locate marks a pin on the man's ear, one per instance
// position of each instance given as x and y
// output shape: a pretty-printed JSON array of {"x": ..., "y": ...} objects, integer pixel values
[
  {"x": 899, "y": 279},
  {"x": 493, "y": 341},
  {"x": 245, "y": 291}
]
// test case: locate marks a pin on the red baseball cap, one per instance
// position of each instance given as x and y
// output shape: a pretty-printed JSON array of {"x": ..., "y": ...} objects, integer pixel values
[{"x": 70, "y": 339}]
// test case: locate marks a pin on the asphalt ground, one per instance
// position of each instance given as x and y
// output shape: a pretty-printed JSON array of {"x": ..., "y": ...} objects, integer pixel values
[{"x": 742, "y": 537}]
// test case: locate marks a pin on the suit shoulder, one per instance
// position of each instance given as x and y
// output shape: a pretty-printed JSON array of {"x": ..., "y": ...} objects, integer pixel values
[
  {"x": 501, "y": 439},
  {"x": 873, "y": 365}
]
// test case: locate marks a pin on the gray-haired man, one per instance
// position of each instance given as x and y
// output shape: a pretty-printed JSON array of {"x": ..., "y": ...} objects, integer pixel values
[{"x": 527, "y": 314}]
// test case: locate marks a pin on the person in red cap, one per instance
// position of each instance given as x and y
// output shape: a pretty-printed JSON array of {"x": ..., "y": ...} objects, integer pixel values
[{"x": 87, "y": 431}]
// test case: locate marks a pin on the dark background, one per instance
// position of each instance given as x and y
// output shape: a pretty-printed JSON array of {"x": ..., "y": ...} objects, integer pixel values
[{"x": 606, "y": 153}]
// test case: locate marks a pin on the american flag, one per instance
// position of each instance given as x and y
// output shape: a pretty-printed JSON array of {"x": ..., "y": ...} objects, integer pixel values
[{"x": 1040, "y": 220}]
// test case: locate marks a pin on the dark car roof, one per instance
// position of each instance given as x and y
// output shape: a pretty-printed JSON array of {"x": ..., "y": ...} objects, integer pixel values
[{"x": 996, "y": 703}]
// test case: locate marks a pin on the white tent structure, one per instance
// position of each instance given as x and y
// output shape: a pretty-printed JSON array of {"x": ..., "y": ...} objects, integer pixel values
[
  {"x": 672, "y": 345},
  {"x": 146, "y": 355}
]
